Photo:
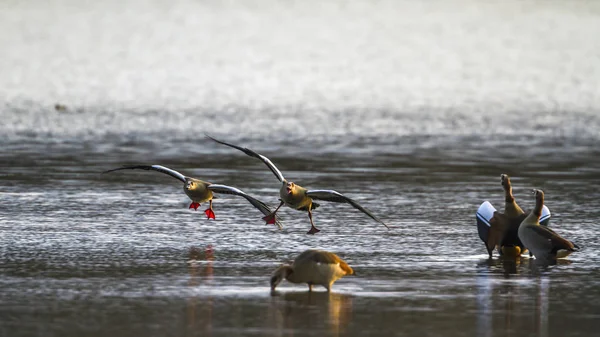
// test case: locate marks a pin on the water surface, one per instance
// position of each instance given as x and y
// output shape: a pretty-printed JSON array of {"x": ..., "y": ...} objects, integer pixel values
[{"x": 414, "y": 110}]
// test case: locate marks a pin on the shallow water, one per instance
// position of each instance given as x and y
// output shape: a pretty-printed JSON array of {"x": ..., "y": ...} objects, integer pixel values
[{"x": 408, "y": 110}]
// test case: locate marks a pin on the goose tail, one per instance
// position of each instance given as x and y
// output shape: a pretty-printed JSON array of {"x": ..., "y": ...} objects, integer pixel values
[{"x": 346, "y": 268}]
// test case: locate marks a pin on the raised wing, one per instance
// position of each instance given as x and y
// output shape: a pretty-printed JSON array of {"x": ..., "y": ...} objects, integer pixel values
[
  {"x": 261, "y": 206},
  {"x": 333, "y": 196},
  {"x": 484, "y": 215},
  {"x": 156, "y": 168},
  {"x": 251, "y": 153},
  {"x": 495, "y": 231},
  {"x": 545, "y": 217}
]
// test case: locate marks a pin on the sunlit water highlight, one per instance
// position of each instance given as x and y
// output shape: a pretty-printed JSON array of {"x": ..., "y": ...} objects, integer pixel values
[{"x": 412, "y": 109}]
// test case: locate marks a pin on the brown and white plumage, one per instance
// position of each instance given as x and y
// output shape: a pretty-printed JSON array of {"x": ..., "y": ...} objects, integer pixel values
[
  {"x": 504, "y": 226},
  {"x": 543, "y": 242},
  {"x": 511, "y": 209},
  {"x": 200, "y": 191},
  {"x": 313, "y": 267},
  {"x": 298, "y": 197}
]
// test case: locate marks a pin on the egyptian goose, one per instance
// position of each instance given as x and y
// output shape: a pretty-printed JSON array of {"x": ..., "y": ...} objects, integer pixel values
[
  {"x": 201, "y": 191},
  {"x": 500, "y": 229},
  {"x": 504, "y": 226},
  {"x": 298, "y": 197},
  {"x": 511, "y": 209},
  {"x": 313, "y": 267},
  {"x": 544, "y": 243}
]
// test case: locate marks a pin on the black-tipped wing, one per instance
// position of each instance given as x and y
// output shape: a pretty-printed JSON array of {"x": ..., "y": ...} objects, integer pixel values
[
  {"x": 333, "y": 196},
  {"x": 261, "y": 206},
  {"x": 156, "y": 168},
  {"x": 251, "y": 153}
]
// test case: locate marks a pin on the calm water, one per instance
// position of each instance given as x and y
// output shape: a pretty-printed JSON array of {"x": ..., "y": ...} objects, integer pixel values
[{"x": 414, "y": 110}]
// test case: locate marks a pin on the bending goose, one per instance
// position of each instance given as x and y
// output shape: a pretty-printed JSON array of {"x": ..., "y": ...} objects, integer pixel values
[
  {"x": 313, "y": 267},
  {"x": 500, "y": 229},
  {"x": 201, "y": 191},
  {"x": 298, "y": 197},
  {"x": 543, "y": 242}
]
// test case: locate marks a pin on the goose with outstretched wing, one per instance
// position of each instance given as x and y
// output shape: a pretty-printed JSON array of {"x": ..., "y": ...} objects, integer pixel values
[
  {"x": 298, "y": 197},
  {"x": 200, "y": 191},
  {"x": 502, "y": 228}
]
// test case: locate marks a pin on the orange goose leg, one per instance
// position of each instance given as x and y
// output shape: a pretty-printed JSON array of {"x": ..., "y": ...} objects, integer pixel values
[
  {"x": 313, "y": 229},
  {"x": 209, "y": 211}
]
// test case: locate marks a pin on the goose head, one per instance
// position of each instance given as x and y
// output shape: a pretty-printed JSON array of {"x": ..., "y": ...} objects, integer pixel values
[
  {"x": 538, "y": 194},
  {"x": 280, "y": 273},
  {"x": 191, "y": 184},
  {"x": 290, "y": 187},
  {"x": 505, "y": 181}
]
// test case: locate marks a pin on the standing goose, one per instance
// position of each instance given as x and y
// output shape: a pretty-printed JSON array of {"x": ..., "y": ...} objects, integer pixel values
[
  {"x": 201, "y": 191},
  {"x": 543, "y": 242},
  {"x": 504, "y": 226},
  {"x": 500, "y": 229},
  {"x": 298, "y": 197},
  {"x": 313, "y": 267}
]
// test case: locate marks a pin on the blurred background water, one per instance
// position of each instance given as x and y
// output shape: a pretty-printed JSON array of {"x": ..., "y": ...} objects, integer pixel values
[{"x": 412, "y": 108}]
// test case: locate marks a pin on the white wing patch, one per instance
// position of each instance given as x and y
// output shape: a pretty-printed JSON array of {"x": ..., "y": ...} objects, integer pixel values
[
  {"x": 273, "y": 167},
  {"x": 170, "y": 171},
  {"x": 486, "y": 212},
  {"x": 217, "y": 187},
  {"x": 261, "y": 206}
]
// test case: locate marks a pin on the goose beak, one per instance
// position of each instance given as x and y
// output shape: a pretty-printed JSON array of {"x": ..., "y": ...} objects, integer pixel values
[{"x": 504, "y": 181}]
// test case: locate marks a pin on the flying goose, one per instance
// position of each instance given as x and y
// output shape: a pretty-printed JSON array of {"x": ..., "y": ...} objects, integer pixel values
[
  {"x": 314, "y": 267},
  {"x": 298, "y": 197},
  {"x": 201, "y": 191},
  {"x": 544, "y": 243}
]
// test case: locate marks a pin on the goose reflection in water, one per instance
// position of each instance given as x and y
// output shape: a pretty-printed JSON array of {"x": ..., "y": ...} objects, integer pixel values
[
  {"x": 293, "y": 311},
  {"x": 504, "y": 265},
  {"x": 200, "y": 263},
  {"x": 504, "y": 305}
]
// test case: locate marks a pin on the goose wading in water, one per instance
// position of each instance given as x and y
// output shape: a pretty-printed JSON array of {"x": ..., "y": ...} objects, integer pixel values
[
  {"x": 298, "y": 197},
  {"x": 313, "y": 267},
  {"x": 544, "y": 243},
  {"x": 200, "y": 191},
  {"x": 501, "y": 229}
]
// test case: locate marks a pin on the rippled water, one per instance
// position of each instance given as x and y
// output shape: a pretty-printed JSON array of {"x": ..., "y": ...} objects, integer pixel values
[{"x": 412, "y": 109}]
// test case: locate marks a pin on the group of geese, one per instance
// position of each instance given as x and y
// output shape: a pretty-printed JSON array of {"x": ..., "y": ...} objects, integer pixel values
[
  {"x": 515, "y": 232},
  {"x": 512, "y": 232}
]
